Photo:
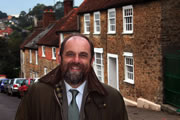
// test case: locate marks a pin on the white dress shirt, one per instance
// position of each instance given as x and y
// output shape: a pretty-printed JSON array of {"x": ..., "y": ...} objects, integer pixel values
[{"x": 78, "y": 97}]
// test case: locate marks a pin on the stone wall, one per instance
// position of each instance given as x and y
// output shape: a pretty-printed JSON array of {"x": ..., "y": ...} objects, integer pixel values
[{"x": 145, "y": 45}]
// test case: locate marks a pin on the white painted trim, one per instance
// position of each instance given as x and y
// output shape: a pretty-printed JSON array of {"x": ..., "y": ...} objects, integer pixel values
[
  {"x": 85, "y": 27},
  {"x": 61, "y": 37},
  {"x": 53, "y": 55},
  {"x": 127, "y": 54},
  {"x": 124, "y": 22},
  {"x": 117, "y": 67},
  {"x": 43, "y": 51},
  {"x": 95, "y": 30},
  {"x": 111, "y": 32},
  {"x": 99, "y": 50},
  {"x": 30, "y": 56},
  {"x": 36, "y": 54}
]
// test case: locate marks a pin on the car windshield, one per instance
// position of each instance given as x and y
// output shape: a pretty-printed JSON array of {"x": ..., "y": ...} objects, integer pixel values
[
  {"x": 19, "y": 81},
  {"x": 5, "y": 81}
]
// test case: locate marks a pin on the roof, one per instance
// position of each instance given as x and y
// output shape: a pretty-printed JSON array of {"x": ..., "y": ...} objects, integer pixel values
[
  {"x": 33, "y": 43},
  {"x": 97, "y": 5},
  {"x": 67, "y": 23},
  {"x": 7, "y": 30},
  {"x": 30, "y": 37}
]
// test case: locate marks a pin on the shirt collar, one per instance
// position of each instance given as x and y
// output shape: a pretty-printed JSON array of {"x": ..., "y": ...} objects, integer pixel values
[{"x": 80, "y": 88}]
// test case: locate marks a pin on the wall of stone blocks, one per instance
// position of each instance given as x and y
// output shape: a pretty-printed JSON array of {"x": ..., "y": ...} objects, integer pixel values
[{"x": 145, "y": 45}]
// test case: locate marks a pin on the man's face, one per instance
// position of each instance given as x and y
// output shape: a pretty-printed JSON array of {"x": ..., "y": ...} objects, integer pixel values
[{"x": 75, "y": 60}]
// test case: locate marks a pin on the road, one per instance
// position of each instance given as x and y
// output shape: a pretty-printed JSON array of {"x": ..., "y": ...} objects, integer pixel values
[
  {"x": 9, "y": 104},
  {"x": 135, "y": 113}
]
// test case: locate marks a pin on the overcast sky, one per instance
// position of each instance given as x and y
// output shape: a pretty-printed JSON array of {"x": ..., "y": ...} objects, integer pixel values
[{"x": 14, "y": 7}]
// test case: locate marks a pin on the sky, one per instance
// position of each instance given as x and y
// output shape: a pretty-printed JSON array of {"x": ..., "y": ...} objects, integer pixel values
[{"x": 14, "y": 7}]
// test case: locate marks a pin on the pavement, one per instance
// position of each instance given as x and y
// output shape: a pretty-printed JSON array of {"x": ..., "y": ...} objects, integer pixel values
[{"x": 135, "y": 113}]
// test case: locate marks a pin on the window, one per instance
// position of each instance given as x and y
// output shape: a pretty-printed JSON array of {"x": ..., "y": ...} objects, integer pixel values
[
  {"x": 98, "y": 63},
  {"x": 30, "y": 56},
  {"x": 97, "y": 26},
  {"x": 128, "y": 19},
  {"x": 129, "y": 67},
  {"x": 36, "y": 75},
  {"x": 61, "y": 37},
  {"x": 36, "y": 57},
  {"x": 22, "y": 57},
  {"x": 43, "y": 51},
  {"x": 112, "y": 21},
  {"x": 86, "y": 23},
  {"x": 31, "y": 74},
  {"x": 53, "y": 53},
  {"x": 45, "y": 70}
]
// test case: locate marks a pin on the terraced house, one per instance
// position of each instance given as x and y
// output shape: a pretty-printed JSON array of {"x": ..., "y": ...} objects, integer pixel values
[
  {"x": 136, "y": 46},
  {"x": 132, "y": 39},
  {"x": 39, "y": 52}
]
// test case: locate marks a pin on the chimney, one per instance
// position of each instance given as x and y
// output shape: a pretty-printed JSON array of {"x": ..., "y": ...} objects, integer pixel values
[
  {"x": 48, "y": 16},
  {"x": 68, "y": 6}
]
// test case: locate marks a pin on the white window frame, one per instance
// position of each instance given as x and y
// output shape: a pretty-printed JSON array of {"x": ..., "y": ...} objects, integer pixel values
[
  {"x": 86, "y": 22},
  {"x": 97, "y": 20},
  {"x": 111, "y": 18},
  {"x": 43, "y": 51},
  {"x": 128, "y": 55},
  {"x": 95, "y": 64},
  {"x": 45, "y": 70},
  {"x": 30, "y": 56},
  {"x": 36, "y": 75},
  {"x": 128, "y": 19},
  {"x": 31, "y": 74},
  {"x": 22, "y": 57},
  {"x": 53, "y": 53},
  {"x": 61, "y": 37},
  {"x": 36, "y": 54}
]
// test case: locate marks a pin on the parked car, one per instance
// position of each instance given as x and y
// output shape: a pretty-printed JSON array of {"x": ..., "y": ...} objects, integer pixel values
[
  {"x": 14, "y": 85},
  {"x": 6, "y": 86},
  {"x": 3, "y": 82},
  {"x": 24, "y": 87}
]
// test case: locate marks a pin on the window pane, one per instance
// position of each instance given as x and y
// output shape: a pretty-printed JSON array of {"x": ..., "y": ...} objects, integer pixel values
[
  {"x": 98, "y": 61},
  {"x": 98, "y": 55},
  {"x": 129, "y": 68}
]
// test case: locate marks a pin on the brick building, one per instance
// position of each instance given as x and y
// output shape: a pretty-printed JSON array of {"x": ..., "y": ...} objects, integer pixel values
[
  {"x": 131, "y": 38},
  {"x": 39, "y": 52}
]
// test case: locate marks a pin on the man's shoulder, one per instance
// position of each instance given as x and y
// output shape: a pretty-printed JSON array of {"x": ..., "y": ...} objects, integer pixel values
[
  {"x": 112, "y": 92},
  {"x": 41, "y": 87}
]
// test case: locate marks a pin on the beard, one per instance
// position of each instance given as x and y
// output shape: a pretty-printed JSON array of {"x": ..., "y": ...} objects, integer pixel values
[{"x": 74, "y": 77}]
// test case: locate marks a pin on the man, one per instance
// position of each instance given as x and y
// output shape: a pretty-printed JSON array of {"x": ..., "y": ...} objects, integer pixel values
[{"x": 53, "y": 97}]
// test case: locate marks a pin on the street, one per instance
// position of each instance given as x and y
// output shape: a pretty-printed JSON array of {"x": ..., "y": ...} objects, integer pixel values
[
  {"x": 9, "y": 104},
  {"x": 135, "y": 113}
]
